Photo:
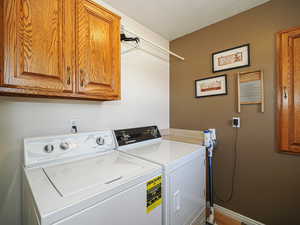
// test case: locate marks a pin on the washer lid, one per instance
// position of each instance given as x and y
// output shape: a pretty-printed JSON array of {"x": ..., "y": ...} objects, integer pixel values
[{"x": 71, "y": 178}]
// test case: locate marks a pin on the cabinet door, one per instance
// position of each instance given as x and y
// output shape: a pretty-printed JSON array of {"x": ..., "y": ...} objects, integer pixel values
[
  {"x": 289, "y": 90},
  {"x": 98, "y": 51},
  {"x": 37, "y": 45}
]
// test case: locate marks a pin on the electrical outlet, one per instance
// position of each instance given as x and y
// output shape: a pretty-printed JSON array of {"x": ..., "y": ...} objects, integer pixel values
[
  {"x": 74, "y": 125},
  {"x": 236, "y": 122}
]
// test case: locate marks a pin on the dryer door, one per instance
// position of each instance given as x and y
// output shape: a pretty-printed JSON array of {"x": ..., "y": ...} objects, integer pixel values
[{"x": 187, "y": 195}]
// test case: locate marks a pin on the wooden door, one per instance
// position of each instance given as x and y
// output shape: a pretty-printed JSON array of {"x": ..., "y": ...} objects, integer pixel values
[
  {"x": 289, "y": 90},
  {"x": 97, "y": 51},
  {"x": 38, "y": 46}
]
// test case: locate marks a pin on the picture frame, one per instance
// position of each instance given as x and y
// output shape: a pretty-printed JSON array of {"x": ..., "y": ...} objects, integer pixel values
[
  {"x": 232, "y": 58},
  {"x": 211, "y": 86}
]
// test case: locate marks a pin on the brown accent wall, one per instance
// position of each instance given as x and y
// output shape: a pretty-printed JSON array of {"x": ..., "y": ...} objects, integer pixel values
[{"x": 267, "y": 185}]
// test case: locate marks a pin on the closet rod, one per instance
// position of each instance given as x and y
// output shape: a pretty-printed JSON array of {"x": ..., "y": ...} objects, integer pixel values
[
  {"x": 152, "y": 43},
  {"x": 134, "y": 47}
]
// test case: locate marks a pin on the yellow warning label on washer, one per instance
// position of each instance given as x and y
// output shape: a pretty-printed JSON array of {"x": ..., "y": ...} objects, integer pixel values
[{"x": 154, "y": 193}]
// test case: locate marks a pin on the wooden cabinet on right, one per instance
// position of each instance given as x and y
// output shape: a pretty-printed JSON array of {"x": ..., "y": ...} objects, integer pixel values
[{"x": 288, "y": 51}]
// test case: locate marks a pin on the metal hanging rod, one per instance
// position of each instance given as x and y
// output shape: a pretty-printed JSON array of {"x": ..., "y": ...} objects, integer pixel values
[
  {"x": 137, "y": 46},
  {"x": 152, "y": 43}
]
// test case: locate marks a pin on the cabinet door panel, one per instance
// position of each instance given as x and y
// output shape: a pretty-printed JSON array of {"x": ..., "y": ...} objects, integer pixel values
[
  {"x": 295, "y": 107},
  {"x": 289, "y": 90},
  {"x": 35, "y": 52},
  {"x": 98, "y": 50}
]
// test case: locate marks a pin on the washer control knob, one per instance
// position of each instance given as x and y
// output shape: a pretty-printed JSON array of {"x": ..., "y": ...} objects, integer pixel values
[
  {"x": 49, "y": 148},
  {"x": 64, "y": 145},
  {"x": 100, "y": 141}
]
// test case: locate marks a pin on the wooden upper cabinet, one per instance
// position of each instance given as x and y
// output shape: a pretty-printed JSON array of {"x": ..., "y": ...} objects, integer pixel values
[
  {"x": 289, "y": 90},
  {"x": 36, "y": 55},
  {"x": 59, "y": 48},
  {"x": 98, "y": 50}
]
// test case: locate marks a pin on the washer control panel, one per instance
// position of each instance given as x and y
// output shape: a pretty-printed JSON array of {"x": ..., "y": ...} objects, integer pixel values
[{"x": 47, "y": 149}]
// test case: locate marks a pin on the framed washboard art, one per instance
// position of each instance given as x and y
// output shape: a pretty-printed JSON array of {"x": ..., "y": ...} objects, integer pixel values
[{"x": 251, "y": 89}]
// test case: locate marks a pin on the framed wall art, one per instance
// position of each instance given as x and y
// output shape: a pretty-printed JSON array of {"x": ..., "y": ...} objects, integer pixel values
[
  {"x": 211, "y": 86},
  {"x": 232, "y": 58}
]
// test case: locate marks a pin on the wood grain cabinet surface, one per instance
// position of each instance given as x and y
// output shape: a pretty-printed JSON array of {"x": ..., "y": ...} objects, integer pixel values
[
  {"x": 54, "y": 48},
  {"x": 288, "y": 43}
]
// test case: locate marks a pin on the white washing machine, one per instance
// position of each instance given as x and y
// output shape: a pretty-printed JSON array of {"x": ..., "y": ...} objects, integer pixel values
[
  {"x": 80, "y": 179},
  {"x": 183, "y": 172}
]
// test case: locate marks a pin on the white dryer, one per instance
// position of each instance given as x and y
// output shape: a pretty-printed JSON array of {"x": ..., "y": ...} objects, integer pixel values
[
  {"x": 80, "y": 179},
  {"x": 183, "y": 172}
]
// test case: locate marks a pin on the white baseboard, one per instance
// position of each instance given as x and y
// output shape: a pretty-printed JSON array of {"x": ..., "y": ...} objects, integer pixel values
[{"x": 236, "y": 216}]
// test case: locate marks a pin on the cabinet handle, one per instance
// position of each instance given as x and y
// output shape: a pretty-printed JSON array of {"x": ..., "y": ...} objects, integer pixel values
[
  {"x": 69, "y": 75},
  {"x": 82, "y": 77},
  {"x": 285, "y": 92},
  {"x": 82, "y": 82}
]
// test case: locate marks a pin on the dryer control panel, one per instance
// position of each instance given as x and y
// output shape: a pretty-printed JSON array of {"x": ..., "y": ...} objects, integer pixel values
[
  {"x": 138, "y": 134},
  {"x": 42, "y": 150}
]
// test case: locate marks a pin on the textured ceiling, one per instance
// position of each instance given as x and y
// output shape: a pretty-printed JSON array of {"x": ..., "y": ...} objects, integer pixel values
[{"x": 175, "y": 18}]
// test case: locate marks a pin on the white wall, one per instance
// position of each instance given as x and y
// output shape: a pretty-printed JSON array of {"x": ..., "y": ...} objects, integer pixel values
[{"x": 145, "y": 101}]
